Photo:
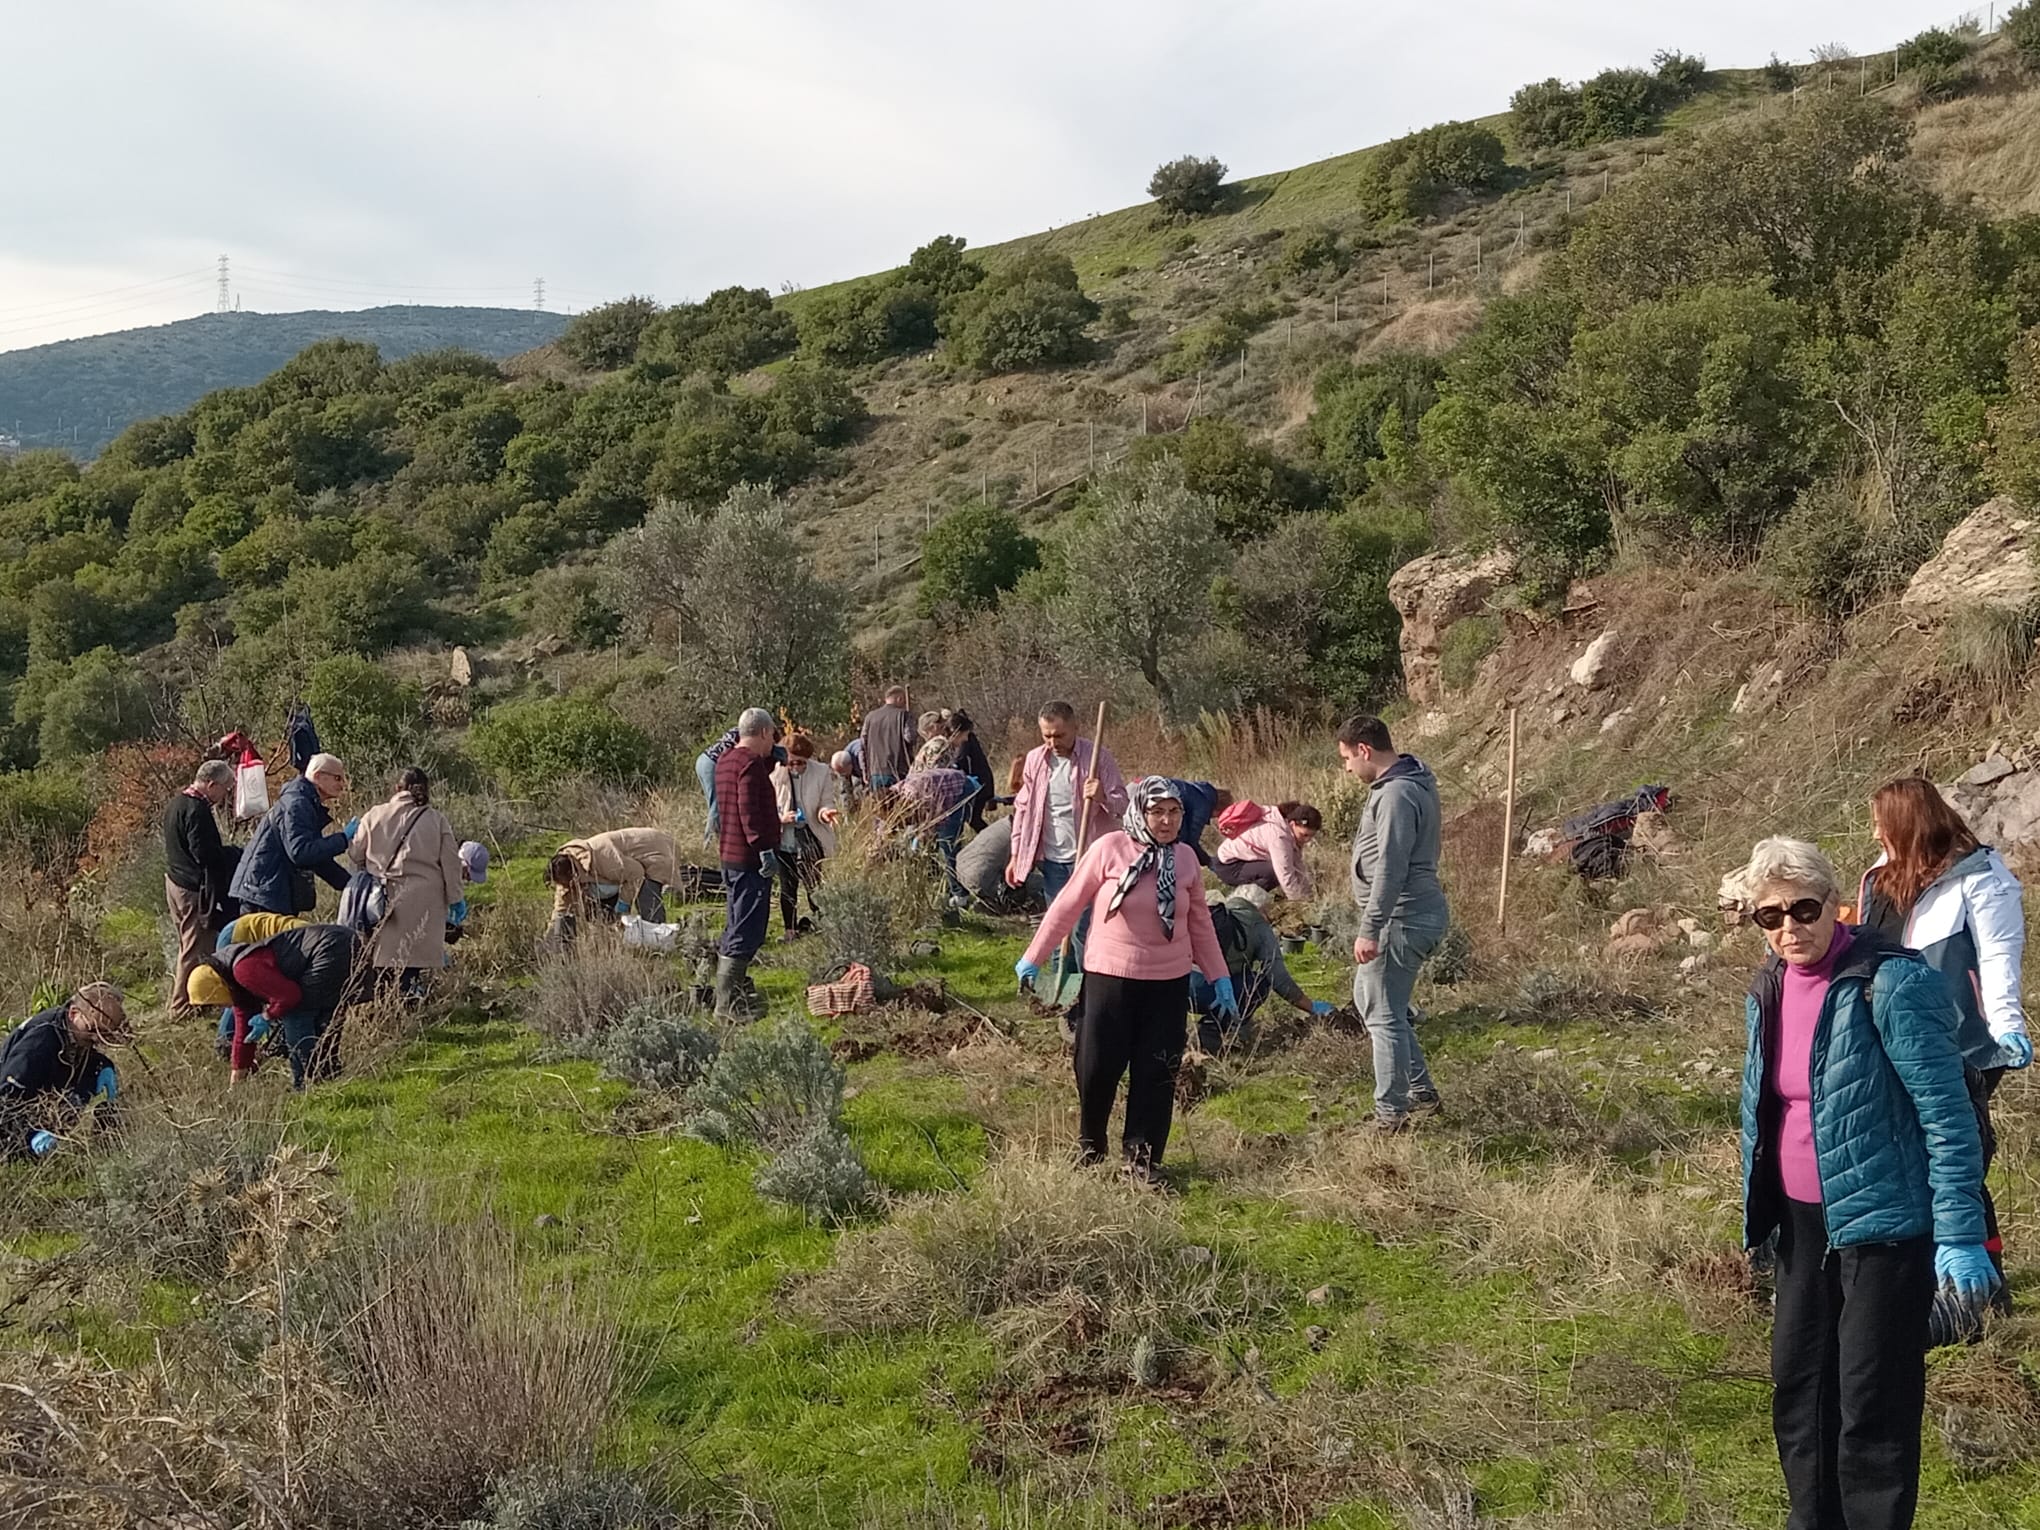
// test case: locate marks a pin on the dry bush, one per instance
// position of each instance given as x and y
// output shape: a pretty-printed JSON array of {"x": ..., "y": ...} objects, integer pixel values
[
  {"x": 1987, "y": 1406},
  {"x": 578, "y": 993},
  {"x": 869, "y": 906},
  {"x": 1515, "y": 1104},
  {"x": 1045, "y": 1255},
  {"x": 454, "y": 1373},
  {"x": 501, "y": 941},
  {"x": 171, "y": 1195}
]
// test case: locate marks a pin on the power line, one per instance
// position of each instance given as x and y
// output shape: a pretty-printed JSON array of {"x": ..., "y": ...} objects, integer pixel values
[{"x": 94, "y": 299}]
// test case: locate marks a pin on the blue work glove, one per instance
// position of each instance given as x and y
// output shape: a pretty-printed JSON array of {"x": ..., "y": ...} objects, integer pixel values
[
  {"x": 1026, "y": 972},
  {"x": 1320, "y": 1008},
  {"x": 349, "y": 827},
  {"x": 42, "y": 1144},
  {"x": 1967, "y": 1268},
  {"x": 2016, "y": 1051},
  {"x": 457, "y": 914},
  {"x": 108, "y": 1086},
  {"x": 768, "y": 865},
  {"x": 258, "y": 1029},
  {"x": 1223, "y": 1000}
]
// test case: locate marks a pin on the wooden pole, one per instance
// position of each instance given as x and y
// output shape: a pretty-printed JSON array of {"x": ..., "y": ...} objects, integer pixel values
[{"x": 1508, "y": 830}]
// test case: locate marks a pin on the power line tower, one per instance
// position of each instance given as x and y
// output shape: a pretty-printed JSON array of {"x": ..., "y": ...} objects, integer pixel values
[
  {"x": 538, "y": 293},
  {"x": 223, "y": 305}
]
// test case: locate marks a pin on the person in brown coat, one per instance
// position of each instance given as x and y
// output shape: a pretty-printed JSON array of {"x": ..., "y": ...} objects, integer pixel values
[
  {"x": 409, "y": 844},
  {"x": 606, "y": 874}
]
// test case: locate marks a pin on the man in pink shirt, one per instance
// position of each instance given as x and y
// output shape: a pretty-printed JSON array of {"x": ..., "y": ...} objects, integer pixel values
[{"x": 1048, "y": 817}]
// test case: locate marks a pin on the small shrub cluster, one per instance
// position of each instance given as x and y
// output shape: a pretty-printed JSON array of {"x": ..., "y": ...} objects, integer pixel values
[
  {"x": 866, "y": 911},
  {"x": 1466, "y": 644},
  {"x": 173, "y": 1198},
  {"x": 1616, "y": 103},
  {"x": 1938, "y": 61},
  {"x": 2021, "y": 28},
  {"x": 1029, "y": 312},
  {"x": 1306, "y": 251},
  {"x": 579, "y": 994},
  {"x": 1188, "y": 187},
  {"x": 1409, "y": 176},
  {"x": 531, "y": 746},
  {"x": 780, "y": 1088},
  {"x": 551, "y": 1498},
  {"x": 1216, "y": 341},
  {"x": 658, "y": 1043}
]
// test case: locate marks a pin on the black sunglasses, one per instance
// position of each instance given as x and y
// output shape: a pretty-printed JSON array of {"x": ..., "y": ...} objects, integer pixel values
[{"x": 1772, "y": 916}]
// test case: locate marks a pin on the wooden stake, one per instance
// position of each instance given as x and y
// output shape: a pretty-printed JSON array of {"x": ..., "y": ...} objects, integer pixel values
[{"x": 1508, "y": 830}]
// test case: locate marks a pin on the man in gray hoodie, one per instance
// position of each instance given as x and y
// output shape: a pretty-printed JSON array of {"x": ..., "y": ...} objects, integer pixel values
[{"x": 1403, "y": 915}]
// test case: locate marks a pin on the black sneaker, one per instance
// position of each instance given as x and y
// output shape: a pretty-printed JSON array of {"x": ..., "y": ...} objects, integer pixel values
[{"x": 1426, "y": 1104}]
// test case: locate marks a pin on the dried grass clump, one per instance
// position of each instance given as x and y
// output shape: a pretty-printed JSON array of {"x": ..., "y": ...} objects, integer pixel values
[
  {"x": 172, "y": 1196},
  {"x": 1045, "y": 1255},
  {"x": 1986, "y": 1405},
  {"x": 868, "y": 907},
  {"x": 454, "y": 1374},
  {"x": 579, "y": 993}
]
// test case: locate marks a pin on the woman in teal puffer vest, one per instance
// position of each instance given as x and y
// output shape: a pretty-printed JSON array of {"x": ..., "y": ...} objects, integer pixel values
[{"x": 1860, "y": 1152}]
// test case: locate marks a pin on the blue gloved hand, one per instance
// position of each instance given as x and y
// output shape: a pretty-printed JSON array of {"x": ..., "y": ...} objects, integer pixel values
[
  {"x": 768, "y": 864},
  {"x": 1320, "y": 1008},
  {"x": 258, "y": 1029},
  {"x": 42, "y": 1144},
  {"x": 350, "y": 827},
  {"x": 457, "y": 914},
  {"x": 1967, "y": 1268},
  {"x": 1026, "y": 972},
  {"x": 1223, "y": 999},
  {"x": 2016, "y": 1050},
  {"x": 108, "y": 1085}
]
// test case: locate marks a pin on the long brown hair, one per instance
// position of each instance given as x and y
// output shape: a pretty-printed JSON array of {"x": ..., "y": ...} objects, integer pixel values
[{"x": 1923, "y": 834}]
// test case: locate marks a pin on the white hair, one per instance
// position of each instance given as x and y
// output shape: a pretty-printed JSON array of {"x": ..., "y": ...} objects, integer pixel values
[
  {"x": 325, "y": 765},
  {"x": 841, "y": 763},
  {"x": 1779, "y": 861},
  {"x": 214, "y": 773},
  {"x": 756, "y": 720}
]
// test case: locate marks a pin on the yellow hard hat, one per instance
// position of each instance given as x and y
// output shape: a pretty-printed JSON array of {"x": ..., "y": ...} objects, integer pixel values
[{"x": 207, "y": 988}]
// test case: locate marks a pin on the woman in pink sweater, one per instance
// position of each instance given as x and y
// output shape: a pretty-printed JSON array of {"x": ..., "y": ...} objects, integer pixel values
[
  {"x": 1143, "y": 943},
  {"x": 1270, "y": 853}
]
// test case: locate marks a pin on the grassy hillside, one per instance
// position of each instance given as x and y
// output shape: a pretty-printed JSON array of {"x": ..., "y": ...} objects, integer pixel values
[{"x": 79, "y": 394}]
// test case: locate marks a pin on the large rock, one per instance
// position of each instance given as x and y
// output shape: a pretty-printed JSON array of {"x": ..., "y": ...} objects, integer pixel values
[
  {"x": 1433, "y": 592},
  {"x": 1985, "y": 561},
  {"x": 1591, "y": 667},
  {"x": 2003, "y": 810}
]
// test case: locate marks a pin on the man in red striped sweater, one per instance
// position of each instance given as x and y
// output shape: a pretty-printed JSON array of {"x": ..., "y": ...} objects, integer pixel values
[{"x": 749, "y": 834}]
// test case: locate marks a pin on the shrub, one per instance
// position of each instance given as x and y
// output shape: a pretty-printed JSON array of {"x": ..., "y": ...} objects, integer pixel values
[
  {"x": 1253, "y": 486},
  {"x": 769, "y": 1086},
  {"x": 1406, "y": 178},
  {"x": 171, "y": 1196},
  {"x": 1934, "y": 49},
  {"x": 1991, "y": 648},
  {"x": 658, "y": 1043},
  {"x": 1548, "y": 115},
  {"x": 533, "y": 745},
  {"x": 581, "y": 993},
  {"x": 2021, "y": 28},
  {"x": 1305, "y": 250},
  {"x": 365, "y": 714},
  {"x": 1822, "y": 555},
  {"x": 1678, "y": 74},
  {"x": 555, "y": 1498},
  {"x": 97, "y": 699},
  {"x": 571, "y": 603},
  {"x": 464, "y": 1374},
  {"x": 1467, "y": 642},
  {"x": 44, "y": 816},
  {"x": 1029, "y": 312},
  {"x": 1218, "y": 340},
  {"x": 1618, "y": 103},
  {"x": 819, "y": 1172},
  {"x": 973, "y": 557},
  {"x": 1188, "y": 187},
  {"x": 606, "y": 338},
  {"x": 732, "y": 330},
  {"x": 1779, "y": 75}
]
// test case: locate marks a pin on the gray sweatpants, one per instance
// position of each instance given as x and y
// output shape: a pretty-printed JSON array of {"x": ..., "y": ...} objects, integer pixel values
[{"x": 1381, "y": 993}]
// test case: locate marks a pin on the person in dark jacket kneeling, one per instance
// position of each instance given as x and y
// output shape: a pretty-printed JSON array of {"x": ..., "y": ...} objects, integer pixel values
[
  {"x": 51, "y": 1068},
  {"x": 296, "y": 981},
  {"x": 1860, "y": 1152}
]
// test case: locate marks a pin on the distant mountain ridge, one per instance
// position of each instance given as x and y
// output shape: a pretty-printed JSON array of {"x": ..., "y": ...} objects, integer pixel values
[{"x": 80, "y": 394}]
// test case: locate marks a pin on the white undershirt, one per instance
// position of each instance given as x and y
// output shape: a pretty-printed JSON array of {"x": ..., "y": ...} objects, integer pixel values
[{"x": 1060, "y": 836}]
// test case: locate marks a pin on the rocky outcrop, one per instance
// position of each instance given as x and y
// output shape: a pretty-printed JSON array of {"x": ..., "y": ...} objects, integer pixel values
[
  {"x": 1590, "y": 669},
  {"x": 1986, "y": 561},
  {"x": 2001, "y": 800},
  {"x": 1431, "y": 593}
]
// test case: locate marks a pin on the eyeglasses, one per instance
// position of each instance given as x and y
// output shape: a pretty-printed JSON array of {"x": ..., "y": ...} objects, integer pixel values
[{"x": 1772, "y": 916}]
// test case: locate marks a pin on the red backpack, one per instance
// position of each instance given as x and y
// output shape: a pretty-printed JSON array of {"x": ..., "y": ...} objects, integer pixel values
[{"x": 1240, "y": 817}]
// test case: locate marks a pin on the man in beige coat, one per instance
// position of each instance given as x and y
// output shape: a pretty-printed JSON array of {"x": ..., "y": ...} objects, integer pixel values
[
  {"x": 408, "y": 842},
  {"x": 623, "y": 869}
]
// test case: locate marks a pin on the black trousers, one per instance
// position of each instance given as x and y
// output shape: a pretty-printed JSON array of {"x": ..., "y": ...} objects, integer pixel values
[
  {"x": 1849, "y": 1370},
  {"x": 1982, "y": 1085},
  {"x": 1135, "y": 1026},
  {"x": 749, "y": 896},
  {"x": 1246, "y": 874}
]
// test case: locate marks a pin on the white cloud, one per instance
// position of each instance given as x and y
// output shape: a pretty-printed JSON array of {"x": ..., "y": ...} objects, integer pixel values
[{"x": 454, "y": 149}]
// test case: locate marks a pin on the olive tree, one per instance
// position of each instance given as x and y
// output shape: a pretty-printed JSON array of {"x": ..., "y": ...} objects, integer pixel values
[{"x": 1137, "y": 591}]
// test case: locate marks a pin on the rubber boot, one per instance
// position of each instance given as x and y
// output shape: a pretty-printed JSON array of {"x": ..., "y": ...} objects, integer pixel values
[{"x": 736, "y": 996}]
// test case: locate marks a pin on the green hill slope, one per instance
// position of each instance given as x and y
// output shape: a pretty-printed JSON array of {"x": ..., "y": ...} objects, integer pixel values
[{"x": 80, "y": 394}]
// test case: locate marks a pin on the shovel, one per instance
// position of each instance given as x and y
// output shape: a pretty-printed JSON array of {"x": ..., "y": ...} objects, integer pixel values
[{"x": 1067, "y": 978}]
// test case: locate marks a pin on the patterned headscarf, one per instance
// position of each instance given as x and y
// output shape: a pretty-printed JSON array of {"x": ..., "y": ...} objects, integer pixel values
[{"x": 1161, "y": 859}]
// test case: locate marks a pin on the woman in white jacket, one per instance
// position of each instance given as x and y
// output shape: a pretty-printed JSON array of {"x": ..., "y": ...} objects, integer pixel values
[
  {"x": 1953, "y": 900},
  {"x": 809, "y": 810}
]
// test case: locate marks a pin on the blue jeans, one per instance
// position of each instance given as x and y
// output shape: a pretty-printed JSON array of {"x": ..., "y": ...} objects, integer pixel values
[
  {"x": 1055, "y": 876},
  {"x": 704, "y": 772},
  {"x": 1381, "y": 992},
  {"x": 749, "y": 895}
]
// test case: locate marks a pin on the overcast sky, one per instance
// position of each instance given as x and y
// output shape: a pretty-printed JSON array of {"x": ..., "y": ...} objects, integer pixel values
[{"x": 451, "y": 150}]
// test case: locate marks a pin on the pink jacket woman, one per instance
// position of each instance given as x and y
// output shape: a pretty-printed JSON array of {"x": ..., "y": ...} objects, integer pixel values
[
  {"x": 1130, "y": 943},
  {"x": 1273, "y": 841}
]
